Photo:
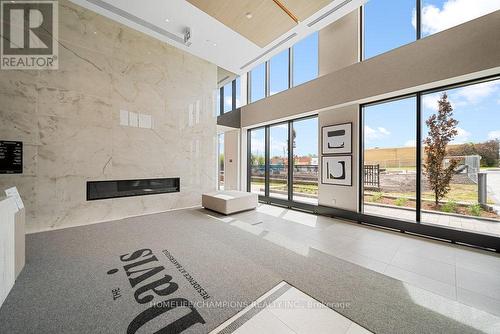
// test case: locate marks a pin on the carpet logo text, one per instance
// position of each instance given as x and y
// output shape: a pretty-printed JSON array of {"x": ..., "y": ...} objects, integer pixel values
[{"x": 150, "y": 282}]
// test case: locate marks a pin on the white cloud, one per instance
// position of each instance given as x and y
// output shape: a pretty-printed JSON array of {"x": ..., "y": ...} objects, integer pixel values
[
  {"x": 257, "y": 142},
  {"x": 463, "y": 97},
  {"x": 461, "y": 137},
  {"x": 476, "y": 93},
  {"x": 494, "y": 134},
  {"x": 371, "y": 133},
  {"x": 454, "y": 12},
  {"x": 278, "y": 147},
  {"x": 410, "y": 143},
  {"x": 430, "y": 102},
  {"x": 281, "y": 126},
  {"x": 383, "y": 131}
]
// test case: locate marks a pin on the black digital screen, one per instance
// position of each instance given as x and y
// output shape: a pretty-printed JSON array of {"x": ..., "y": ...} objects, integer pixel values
[{"x": 11, "y": 157}]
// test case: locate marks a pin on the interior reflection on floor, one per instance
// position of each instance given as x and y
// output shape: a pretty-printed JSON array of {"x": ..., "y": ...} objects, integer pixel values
[{"x": 456, "y": 281}]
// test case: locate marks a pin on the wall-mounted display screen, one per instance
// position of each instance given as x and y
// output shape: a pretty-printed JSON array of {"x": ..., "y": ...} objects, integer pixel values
[{"x": 11, "y": 157}]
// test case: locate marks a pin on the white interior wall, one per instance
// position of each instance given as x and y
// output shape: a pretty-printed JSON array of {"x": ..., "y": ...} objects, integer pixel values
[{"x": 231, "y": 160}]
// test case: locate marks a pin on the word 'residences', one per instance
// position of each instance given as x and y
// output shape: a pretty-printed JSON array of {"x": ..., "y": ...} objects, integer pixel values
[{"x": 203, "y": 293}]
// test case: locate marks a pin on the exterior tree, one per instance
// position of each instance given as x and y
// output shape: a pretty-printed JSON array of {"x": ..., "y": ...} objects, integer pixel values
[
  {"x": 221, "y": 161},
  {"x": 442, "y": 129}
]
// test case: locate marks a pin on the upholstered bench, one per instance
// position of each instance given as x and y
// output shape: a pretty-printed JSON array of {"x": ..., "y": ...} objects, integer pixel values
[{"x": 229, "y": 201}]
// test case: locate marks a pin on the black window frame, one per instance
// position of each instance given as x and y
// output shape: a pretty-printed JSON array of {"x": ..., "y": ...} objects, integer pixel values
[
  {"x": 222, "y": 98},
  {"x": 289, "y": 202},
  {"x": 417, "y": 227}
]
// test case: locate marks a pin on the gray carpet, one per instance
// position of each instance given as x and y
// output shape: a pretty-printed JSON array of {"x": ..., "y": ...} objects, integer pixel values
[{"x": 183, "y": 271}]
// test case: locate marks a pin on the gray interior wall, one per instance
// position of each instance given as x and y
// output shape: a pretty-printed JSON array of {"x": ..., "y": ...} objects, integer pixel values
[
  {"x": 470, "y": 50},
  {"x": 69, "y": 122},
  {"x": 339, "y": 44},
  {"x": 343, "y": 197}
]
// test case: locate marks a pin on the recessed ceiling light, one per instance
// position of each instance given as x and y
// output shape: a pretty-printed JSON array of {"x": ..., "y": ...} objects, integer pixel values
[
  {"x": 167, "y": 20},
  {"x": 248, "y": 15},
  {"x": 211, "y": 42}
]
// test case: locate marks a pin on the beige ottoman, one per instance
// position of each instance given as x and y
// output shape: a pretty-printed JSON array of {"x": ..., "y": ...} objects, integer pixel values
[{"x": 229, "y": 201}]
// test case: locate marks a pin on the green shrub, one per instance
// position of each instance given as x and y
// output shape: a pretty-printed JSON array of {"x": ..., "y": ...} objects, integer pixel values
[
  {"x": 376, "y": 197},
  {"x": 449, "y": 207},
  {"x": 401, "y": 201},
  {"x": 475, "y": 210}
]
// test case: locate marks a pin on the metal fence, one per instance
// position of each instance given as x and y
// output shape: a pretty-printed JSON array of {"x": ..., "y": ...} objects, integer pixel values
[{"x": 371, "y": 176}]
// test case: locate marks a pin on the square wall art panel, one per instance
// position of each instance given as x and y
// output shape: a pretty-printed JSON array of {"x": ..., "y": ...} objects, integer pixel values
[
  {"x": 336, "y": 139},
  {"x": 337, "y": 170}
]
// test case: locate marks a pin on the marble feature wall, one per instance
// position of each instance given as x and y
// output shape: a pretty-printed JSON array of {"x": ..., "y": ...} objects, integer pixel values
[{"x": 69, "y": 121}]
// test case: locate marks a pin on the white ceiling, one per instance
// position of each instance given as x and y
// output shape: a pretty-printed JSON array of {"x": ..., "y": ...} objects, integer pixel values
[{"x": 211, "y": 40}]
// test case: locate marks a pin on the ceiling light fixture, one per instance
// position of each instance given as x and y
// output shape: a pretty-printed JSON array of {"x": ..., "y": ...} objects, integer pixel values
[
  {"x": 167, "y": 20},
  {"x": 248, "y": 15}
]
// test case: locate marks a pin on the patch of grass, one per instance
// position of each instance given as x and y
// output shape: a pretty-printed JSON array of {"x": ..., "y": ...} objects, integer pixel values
[
  {"x": 475, "y": 210},
  {"x": 449, "y": 207},
  {"x": 401, "y": 201},
  {"x": 376, "y": 197},
  {"x": 458, "y": 193}
]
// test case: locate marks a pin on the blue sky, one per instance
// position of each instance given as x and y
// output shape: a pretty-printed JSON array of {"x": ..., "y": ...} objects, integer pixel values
[{"x": 388, "y": 25}]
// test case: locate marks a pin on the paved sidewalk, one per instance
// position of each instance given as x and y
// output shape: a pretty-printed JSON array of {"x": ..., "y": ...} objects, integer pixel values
[{"x": 460, "y": 222}]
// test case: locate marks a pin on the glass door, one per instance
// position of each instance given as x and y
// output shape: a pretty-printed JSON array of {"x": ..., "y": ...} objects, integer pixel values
[
  {"x": 278, "y": 161},
  {"x": 305, "y": 160}
]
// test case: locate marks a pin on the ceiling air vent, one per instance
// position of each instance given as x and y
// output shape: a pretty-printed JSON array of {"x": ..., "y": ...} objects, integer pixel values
[
  {"x": 277, "y": 45},
  {"x": 137, "y": 20},
  {"x": 328, "y": 13}
]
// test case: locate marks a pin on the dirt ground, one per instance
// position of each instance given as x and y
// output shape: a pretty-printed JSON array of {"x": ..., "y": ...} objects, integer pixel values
[{"x": 398, "y": 182}]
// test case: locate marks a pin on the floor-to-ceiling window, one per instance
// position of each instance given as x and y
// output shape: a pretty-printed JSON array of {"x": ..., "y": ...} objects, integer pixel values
[
  {"x": 257, "y": 161},
  {"x": 290, "y": 67},
  {"x": 258, "y": 83},
  {"x": 460, "y": 157},
  {"x": 459, "y": 163},
  {"x": 439, "y": 15},
  {"x": 220, "y": 161},
  {"x": 305, "y": 60},
  {"x": 278, "y": 72},
  {"x": 278, "y": 160},
  {"x": 389, "y": 169},
  {"x": 238, "y": 92},
  {"x": 297, "y": 137},
  {"x": 305, "y": 160},
  {"x": 228, "y": 97},
  {"x": 388, "y": 24}
]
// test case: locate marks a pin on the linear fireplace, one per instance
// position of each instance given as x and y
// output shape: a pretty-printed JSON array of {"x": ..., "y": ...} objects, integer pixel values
[{"x": 125, "y": 188}]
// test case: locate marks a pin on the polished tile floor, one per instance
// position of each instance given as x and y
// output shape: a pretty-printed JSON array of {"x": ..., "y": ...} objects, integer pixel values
[
  {"x": 287, "y": 310},
  {"x": 458, "y": 276}
]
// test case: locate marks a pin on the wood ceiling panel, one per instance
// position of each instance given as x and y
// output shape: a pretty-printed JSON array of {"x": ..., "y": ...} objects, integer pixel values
[
  {"x": 268, "y": 20},
  {"x": 303, "y": 9}
]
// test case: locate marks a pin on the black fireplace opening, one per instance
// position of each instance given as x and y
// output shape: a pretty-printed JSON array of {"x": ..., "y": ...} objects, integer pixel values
[{"x": 126, "y": 188}]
